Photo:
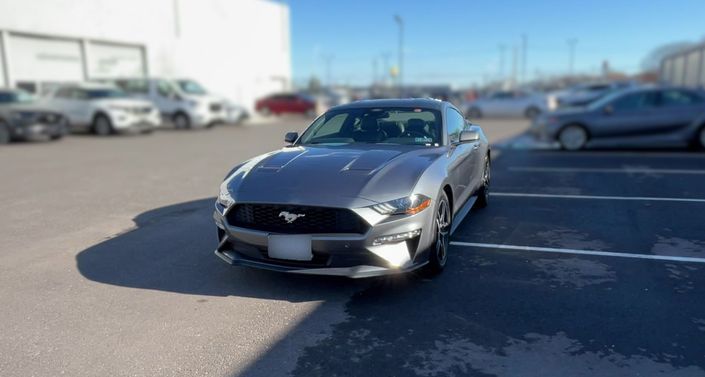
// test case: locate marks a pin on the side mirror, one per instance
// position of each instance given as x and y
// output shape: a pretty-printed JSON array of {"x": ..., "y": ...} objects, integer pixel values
[
  {"x": 469, "y": 136},
  {"x": 291, "y": 137},
  {"x": 608, "y": 110}
]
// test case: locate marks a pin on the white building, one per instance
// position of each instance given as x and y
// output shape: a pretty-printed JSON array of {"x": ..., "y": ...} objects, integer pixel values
[{"x": 236, "y": 48}]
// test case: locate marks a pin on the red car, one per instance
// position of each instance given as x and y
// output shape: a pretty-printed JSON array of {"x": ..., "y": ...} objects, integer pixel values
[{"x": 286, "y": 103}]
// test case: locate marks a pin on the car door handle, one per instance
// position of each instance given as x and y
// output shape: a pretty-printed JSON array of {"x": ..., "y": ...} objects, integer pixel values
[{"x": 476, "y": 146}]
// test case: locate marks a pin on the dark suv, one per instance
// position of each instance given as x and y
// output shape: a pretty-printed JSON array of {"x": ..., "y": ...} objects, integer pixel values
[{"x": 22, "y": 118}]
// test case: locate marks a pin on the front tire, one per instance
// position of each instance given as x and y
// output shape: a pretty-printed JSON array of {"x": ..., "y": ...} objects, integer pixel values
[
  {"x": 532, "y": 112},
  {"x": 102, "y": 125},
  {"x": 573, "y": 137},
  {"x": 4, "y": 133},
  {"x": 181, "y": 121},
  {"x": 483, "y": 194},
  {"x": 438, "y": 252},
  {"x": 701, "y": 138}
]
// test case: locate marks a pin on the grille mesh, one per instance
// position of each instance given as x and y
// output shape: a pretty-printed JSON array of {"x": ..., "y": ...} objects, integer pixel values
[{"x": 269, "y": 217}]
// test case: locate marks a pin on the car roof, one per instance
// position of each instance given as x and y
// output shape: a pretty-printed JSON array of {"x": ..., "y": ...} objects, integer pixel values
[
  {"x": 426, "y": 103},
  {"x": 89, "y": 86}
]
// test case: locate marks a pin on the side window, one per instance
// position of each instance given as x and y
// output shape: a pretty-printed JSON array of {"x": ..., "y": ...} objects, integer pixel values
[
  {"x": 134, "y": 86},
  {"x": 79, "y": 94},
  {"x": 633, "y": 102},
  {"x": 6, "y": 97},
  {"x": 455, "y": 123},
  {"x": 679, "y": 98},
  {"x": 63, "y": 93},
  {"x": 165, "y": 89}
]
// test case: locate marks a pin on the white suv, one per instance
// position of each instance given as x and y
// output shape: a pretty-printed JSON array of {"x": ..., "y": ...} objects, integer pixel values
[
  {"x": 184, "y": 102},
  {"x": 103, "y": 109}
]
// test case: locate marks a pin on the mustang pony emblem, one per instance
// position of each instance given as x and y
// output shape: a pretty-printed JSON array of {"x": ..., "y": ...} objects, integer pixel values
[{"x": 290, "y": 217}]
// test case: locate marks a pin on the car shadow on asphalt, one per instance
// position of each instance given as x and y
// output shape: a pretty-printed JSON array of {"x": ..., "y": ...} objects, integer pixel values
[{"x": 171, "y": 249}]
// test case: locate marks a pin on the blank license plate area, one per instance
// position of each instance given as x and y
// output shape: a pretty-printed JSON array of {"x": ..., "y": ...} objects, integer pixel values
[{"x": 290, "y": 247}]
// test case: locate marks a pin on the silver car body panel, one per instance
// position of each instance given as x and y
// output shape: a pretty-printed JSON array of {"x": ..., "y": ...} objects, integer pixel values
[{"x": 357, "y": 176}]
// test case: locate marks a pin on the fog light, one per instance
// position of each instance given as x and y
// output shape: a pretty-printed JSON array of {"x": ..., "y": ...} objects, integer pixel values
[{"x": 394, "y": 238}]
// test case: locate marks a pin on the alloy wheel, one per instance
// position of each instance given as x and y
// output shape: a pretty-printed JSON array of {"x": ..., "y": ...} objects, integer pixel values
[
  {"x": 442, "y": 232},
  {"x": 573, "y": 138},
  {"x": 102, "y": 126}
]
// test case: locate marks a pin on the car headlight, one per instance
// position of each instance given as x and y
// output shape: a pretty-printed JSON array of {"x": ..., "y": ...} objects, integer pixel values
[
  {"x": 225, "y": 199},
  {"x": 20, "y": 115},
  {"x": 409, "y": 205}
]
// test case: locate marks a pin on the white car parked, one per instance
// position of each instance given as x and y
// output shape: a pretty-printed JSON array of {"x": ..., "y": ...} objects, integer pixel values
[
  {"x": 183, "y": 102},
  {"x": 102, "y": 109},
  {"x": 517, "y": 103}
]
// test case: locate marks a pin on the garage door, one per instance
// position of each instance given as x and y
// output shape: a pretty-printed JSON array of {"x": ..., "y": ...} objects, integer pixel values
[
  {"x": 110, "y": 61},
  {"x": 44, "y": 59}
]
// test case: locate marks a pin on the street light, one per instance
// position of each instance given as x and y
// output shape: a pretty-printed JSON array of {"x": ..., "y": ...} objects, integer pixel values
[{"x": 400, "y": 22}]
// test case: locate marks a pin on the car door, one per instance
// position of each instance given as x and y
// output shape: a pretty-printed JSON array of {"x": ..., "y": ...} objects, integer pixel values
[
  {"x": 492, "y": 105},
  {"x": 64, "y": 100},
  {"x": 630, "y": 115},
  {"x": 163, "y": 95},
  {"x": 460, "y": 168},
  {"x": 678, "y": 109},
  {"x": 82, "y": 106}
]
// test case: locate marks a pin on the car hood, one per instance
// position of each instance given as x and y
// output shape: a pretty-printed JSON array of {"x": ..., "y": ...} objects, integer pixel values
[
  {"x": 28, "y": 106},
  {"x": 338, "y": 176}
]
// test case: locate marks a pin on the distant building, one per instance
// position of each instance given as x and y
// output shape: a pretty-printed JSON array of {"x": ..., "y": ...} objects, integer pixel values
[
  {"x": 685, "y": 68},
  {"x": 239, "y": 49}
]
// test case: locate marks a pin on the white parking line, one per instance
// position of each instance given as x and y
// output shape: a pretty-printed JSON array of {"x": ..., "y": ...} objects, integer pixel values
[
  {"x": 578, "y": 252},
  {"x": 625, "y": 170},
  {"x": 598, "y": 197}
]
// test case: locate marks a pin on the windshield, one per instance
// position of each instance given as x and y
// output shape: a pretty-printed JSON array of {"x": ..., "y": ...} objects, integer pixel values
[
  {"x": 16, "y": 97},
  {"x": 405, "y": 126},
  {"x": 104, "y": 93},
  {"x": 191, "y": 87},
  {"x": 605, "y": 99}
]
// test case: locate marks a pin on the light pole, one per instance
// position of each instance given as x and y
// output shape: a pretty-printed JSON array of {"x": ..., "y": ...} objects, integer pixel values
[{"x": 400, "y": 22}]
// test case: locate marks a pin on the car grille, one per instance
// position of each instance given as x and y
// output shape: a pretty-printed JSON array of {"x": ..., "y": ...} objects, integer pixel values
[
  {"x": 269, "y": 218},
  {"x": 216, "y": 107},
  {"x": 49, "y": 118},
  {"x": 141, "y": 110}
]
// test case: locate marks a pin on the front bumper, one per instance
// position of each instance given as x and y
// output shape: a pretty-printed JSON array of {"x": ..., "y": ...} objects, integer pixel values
[
  {"x": 124, "y": 122},
  {"x": 349, "y": 255},
  {"x": 36, "y": 129}
]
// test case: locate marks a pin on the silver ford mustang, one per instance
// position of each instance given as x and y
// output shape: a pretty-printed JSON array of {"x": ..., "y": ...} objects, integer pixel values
[{"x": 370, "y": 188}]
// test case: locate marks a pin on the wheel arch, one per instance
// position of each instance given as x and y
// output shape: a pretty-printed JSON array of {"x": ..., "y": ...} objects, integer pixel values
[{"x": 449, "y": 193}]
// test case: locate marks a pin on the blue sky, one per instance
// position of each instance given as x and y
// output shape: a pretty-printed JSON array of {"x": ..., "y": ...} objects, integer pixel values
[{"x": 457, "y": 41}]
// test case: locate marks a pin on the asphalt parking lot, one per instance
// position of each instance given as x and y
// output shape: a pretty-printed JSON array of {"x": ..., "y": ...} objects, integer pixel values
[{"x": 584, "y": 264}]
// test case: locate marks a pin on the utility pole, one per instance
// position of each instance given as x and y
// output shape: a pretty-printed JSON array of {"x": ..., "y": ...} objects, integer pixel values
[
  {"x": 374, "y": 71},
  {"x": 400, "y": 74},
  {"x": 524, "y": 46},
  {"x": 502, "y": 50},
  {"x": 515, "y": 61},
  {"x": 571, "y": 57}
]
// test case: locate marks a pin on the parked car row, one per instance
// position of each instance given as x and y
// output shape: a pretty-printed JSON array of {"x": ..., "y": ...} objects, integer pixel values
[
  {"x": 121, "y": 106},
  {"x": 529, "y": 104}
]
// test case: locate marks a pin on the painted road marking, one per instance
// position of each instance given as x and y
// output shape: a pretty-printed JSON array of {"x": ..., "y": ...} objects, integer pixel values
[
  {"x": 578, "y": 252},
  {"x": 625, "y": 170},
  {"x": 598, "y": 197}
]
